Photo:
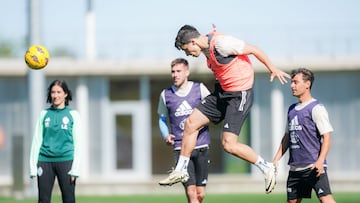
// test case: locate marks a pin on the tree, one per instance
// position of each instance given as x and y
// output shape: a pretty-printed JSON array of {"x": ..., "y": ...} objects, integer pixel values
[{"x": 7, "y": 49}]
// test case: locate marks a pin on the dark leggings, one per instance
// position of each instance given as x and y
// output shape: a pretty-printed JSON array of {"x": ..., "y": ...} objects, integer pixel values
[{"x": 47, "y": 171}]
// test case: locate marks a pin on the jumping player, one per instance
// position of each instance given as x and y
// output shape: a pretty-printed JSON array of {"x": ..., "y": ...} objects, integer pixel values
[{"x": 231, "y": 101}]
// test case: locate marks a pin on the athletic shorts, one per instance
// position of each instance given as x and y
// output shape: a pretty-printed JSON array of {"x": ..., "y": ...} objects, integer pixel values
[
  {"x": 301, "y": 183},
  {"x": 198, "y": 167},
  {"x": 230, "y": 107}
]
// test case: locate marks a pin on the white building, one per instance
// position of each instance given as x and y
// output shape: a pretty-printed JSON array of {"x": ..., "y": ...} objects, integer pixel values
[{"x": 118, "y": 103}]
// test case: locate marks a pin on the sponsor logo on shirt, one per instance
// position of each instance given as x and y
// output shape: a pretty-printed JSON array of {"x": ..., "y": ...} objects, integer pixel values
[
  {"x": 65, "y": 123},
  {"x": 183, "y": 109},
  {"x": 294, "y": 137}
]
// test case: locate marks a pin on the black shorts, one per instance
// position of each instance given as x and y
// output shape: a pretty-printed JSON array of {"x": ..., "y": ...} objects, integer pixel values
[
  {"x": 301, "y": 183},
  {"x": 230, "y": 107},
  {"x": 198, "y": 167}
]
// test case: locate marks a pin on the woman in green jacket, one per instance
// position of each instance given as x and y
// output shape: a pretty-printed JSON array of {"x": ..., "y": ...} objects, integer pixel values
[{"x": 55, "y": 150}]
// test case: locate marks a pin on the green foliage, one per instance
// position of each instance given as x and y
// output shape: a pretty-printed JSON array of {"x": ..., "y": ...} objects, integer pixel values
[
  {"x": 14, "y": 48},
  {"x": 62, "y": 52},
  {"x": 6, "y": 49}
]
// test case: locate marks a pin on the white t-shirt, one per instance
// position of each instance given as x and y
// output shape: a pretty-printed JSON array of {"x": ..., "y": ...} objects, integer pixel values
[{"x": 227, "y": 45}]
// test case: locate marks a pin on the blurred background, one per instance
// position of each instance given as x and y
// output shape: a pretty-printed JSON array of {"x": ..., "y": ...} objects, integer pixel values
[{"x": 115, "y": 56}]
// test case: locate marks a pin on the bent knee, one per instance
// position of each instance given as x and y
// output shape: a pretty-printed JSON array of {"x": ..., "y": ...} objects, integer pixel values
[
  {"x": 327, "y": 199},
  {"x": 200, "y": 196},
  {"x": 192, "y": 125},
  {"x": 229, "y": 147},
  {"x": 229, "y": 144},
  {"x": 191, "y": 193}
]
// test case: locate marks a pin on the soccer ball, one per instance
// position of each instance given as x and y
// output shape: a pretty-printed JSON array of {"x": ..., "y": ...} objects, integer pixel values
[{"x": 37, "y": 57}]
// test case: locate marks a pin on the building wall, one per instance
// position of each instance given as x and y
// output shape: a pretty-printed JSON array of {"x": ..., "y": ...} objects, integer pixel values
[{"x": 337, "y": 90}]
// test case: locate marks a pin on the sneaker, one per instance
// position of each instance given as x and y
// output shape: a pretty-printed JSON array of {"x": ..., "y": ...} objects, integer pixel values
[
  {"x": 175, "y": 177},
  {"x": 270, "y": 179}
]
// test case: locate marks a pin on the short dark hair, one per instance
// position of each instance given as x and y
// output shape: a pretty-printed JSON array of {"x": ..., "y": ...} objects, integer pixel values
[
  {"x": 184, "y": 35},
  {"x": 307, "y": 75},
  {"x": 179, "y": 61},
  {"x": 64, "y": 86}
]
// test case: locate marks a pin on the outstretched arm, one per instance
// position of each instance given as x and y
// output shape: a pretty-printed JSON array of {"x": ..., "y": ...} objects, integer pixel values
[{"x": 263, "y": 58}]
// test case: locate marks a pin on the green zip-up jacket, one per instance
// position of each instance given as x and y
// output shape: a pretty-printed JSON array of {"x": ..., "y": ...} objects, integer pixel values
[{"x": 57, "y": 138}]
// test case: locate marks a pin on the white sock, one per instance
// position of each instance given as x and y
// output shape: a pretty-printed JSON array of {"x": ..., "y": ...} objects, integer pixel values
[
  {"x": 182, "y": 163},
  {"x": 263, "y": 165}
]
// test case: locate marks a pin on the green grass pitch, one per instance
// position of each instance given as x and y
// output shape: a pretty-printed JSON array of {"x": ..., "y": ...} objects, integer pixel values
[{"x": 210, "y": 198}]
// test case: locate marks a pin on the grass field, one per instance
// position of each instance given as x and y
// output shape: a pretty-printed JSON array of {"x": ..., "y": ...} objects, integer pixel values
[{"x": 210, "y": 198}]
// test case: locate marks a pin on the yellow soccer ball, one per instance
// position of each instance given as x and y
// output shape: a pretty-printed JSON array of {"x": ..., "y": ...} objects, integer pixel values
[{"x": 37, "y": 57}]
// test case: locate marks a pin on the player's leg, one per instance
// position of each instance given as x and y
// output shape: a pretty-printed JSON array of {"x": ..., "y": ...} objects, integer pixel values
[
  {"x": 195, "y": 194},
  {"x": 205, "y": 112},
  {"x": 237, "y": 111},
  {"x": 67, "y": 186},
  {"x": 200, "y": 116},
  {"x": 200, "y": 193},
  {"x": 202, "y": 164},
  {"x": 198, "y": 171},
  {"x": 191, "y": 194},
  {"x": 232, "y": 146},
  {"x": 295, "y": 200},
  {"x": 299, "y": 186},
  {"x": 327, "y": 199},
  {"x": 243, "y": 151},
  {"x": 322, "y": 188},
  {"x": 190, "y": 185},
  {"x": 46, "y": 179},
  {"x": 193, "y": 125}
]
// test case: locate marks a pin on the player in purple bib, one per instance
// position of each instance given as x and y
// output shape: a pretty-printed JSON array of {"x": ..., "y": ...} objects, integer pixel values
[
  {"x": 308, "y": 138},
  {"x": 175, "y": 105}
]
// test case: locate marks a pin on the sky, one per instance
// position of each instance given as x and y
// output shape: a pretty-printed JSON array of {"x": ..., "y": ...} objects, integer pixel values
[{"x": 133, "y": 29}]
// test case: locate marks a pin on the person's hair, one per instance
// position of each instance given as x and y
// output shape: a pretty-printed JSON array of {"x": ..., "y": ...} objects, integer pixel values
[
  {"x": 184, "y": 35},
  {"x": 64, "y": 86},
  {"x": 179, "y": 61},
  {"x": 307, "y": 75}
]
